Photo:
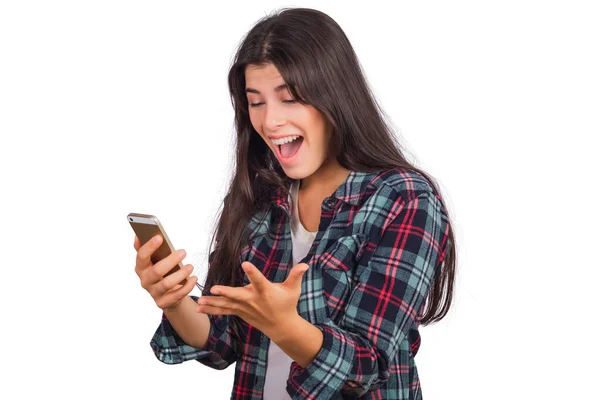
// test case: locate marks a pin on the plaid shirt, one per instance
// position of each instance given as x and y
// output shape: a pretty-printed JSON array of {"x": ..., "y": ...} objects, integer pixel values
[{"x": 381, "y": 237}]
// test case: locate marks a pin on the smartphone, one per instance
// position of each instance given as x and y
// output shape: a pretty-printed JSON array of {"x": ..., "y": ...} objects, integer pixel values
[{"x": 146, "y": 227}]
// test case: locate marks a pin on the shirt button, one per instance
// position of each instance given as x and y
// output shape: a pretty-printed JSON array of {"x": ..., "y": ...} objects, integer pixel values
[{"x": 330, "y": 203}]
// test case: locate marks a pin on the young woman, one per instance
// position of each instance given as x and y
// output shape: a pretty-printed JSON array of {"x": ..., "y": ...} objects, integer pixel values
[{"x": 331, "y": 248}]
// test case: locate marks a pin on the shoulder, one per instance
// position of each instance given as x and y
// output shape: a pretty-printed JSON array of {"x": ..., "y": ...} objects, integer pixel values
[
  {"x": 391, "y": 192},
  {"x": 399, "y": 184}
]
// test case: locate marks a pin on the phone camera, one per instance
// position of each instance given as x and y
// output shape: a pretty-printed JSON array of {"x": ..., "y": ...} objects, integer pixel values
[{"x": 131, "y": 219}]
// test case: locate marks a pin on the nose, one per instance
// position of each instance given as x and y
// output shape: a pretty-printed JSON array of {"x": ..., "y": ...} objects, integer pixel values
[{"x": 274, "y": 116}]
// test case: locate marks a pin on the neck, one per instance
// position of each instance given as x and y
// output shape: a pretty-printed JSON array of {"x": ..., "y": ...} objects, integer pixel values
[{"x": 326, "y": 179}]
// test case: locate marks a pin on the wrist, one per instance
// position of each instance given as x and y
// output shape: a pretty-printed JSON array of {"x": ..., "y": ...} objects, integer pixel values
[
  {"x": 286, "y": 329},
  {"x": 173, "y": 307}
]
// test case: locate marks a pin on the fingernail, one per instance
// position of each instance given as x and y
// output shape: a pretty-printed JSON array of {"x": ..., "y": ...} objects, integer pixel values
[
  {"x": 181, "y": 253},
  {"x": 190, "y": 267},
  {"x": 156, "y": 239}
]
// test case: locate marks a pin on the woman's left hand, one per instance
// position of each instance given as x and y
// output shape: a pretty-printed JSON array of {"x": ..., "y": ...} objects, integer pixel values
[{"x": 262, "y": 304}]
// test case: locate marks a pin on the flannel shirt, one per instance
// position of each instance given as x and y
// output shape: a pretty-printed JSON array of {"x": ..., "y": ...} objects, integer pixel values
[{"x": 381, "y": 237}]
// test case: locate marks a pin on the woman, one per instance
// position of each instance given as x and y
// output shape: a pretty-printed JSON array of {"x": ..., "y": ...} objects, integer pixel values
[{"x": 331, "y": 248}]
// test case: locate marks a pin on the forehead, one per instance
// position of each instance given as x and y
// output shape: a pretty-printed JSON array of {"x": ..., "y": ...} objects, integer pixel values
[{"x": 262, "y": 75}]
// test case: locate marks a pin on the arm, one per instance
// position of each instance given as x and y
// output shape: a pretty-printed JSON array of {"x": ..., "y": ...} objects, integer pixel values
[
  {"x": 299, "y": 339},
  {"x": 192, "y": 327},
  {"x": 209, "y": 339},
  {"x": 185, "y": 334},
  {"x": 384, "y": 305}
]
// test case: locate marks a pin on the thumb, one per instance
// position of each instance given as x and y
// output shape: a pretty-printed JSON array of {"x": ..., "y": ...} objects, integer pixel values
[{"x": 295, "y": 276}]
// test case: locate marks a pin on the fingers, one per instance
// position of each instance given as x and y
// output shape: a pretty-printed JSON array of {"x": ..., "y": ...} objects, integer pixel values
[
  {"x": 217, "y": 305},
  {"x": 150, "y": 276},
  {"x": 241, "y": 294},
  {"x": 145, "y": 252},
  {"x": 218, "y": 301},
  {"x": 294, "y": 279},
  {"x": 167, "y": 283},
  {"x": 166, "y": 291},
  {"x": 170, "y": 298},
  {"x": 210, "y": 310},
  {"x": 166, "y": 264},
  {"x": 255, "y": 276}
]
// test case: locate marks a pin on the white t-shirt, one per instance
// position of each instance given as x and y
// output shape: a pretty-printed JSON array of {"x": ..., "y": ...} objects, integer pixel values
[{"x": 278, "y": 363}]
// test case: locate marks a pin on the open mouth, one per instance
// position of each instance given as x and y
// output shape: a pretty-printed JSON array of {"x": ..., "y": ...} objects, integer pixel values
[{"x": 289, "y": 150}]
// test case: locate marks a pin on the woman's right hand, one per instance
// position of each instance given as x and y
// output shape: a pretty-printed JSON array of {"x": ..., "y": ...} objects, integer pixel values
[{"x": 166, "y": 291}]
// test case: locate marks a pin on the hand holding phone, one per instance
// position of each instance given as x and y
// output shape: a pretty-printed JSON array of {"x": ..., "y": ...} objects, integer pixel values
[{"x": 158, "y": 265}]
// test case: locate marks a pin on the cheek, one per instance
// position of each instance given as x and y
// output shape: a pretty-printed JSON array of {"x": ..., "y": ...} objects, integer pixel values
[{"x": 318, "y": 130}]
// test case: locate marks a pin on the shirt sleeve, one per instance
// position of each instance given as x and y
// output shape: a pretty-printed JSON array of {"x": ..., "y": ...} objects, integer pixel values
[
  {"x": 391, "y": 287},
  {"x": 219, "y": 353}
]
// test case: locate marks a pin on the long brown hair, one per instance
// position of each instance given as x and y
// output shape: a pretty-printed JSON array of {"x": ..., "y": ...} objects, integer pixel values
[{"x": 318, "y": 63}]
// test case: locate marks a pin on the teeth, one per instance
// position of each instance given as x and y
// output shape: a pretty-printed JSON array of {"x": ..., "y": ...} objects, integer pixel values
[{"x": 288, "y": 139}]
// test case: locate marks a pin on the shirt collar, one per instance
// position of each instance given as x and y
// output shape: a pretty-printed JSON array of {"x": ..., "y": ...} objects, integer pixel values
[{"x": 350, "y": 191}]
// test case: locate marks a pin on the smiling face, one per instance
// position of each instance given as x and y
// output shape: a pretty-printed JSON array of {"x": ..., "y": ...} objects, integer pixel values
[{"x": 275, "y": 115}]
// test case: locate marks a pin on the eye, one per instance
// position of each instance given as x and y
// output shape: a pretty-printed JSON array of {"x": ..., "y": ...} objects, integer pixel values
[{"x": 259, "y": 104}]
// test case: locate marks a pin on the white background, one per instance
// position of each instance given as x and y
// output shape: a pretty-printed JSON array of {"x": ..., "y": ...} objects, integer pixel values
[{"x": 114, "y": 107}]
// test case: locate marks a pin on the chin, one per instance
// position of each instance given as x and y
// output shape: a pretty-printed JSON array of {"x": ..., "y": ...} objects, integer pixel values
[
  {"x": 294, "y": 174},
  {"x": 297, "y": 173}
]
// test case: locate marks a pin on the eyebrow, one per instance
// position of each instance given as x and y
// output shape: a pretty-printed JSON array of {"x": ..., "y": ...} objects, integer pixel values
[{"x": 277, "y": 89}]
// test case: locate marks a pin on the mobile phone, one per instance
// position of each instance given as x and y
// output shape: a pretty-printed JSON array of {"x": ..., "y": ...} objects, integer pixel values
[{"x": 147, "y": 226}]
